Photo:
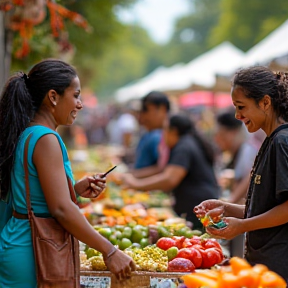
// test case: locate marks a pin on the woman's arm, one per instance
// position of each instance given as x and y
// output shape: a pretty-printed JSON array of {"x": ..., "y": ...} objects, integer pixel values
[
  {"x": 53, "y": 181},
  {"x": 146, "y": 171},
  {"x": 166, "y": 180},
  {"x": 274, "y": 217},
  {"x": 234, "y": 210}
]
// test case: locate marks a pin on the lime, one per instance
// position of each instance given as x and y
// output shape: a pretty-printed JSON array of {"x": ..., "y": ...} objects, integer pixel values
[
  {"x": 132, "y": 224},
  {"x": 182, "y": 231},
  {"x": 172, "y": 253},
  {"x": 91, "y": 253},
  {"x": 135, "y": 245},
  {"x": 144, "y": 242},
  {"x": 145, "y": 231},
  {"x": 127, "y": 232},
  {"x": 137, "y": 234},
  {"x": 118, "y": 234},
  {"x": 106, "y": 232},
  {"x": 197, "y": 232},
  {"x": 189, "y": 234},
  {"x": 164, "y": 232},
  {"x": 119, "y": 227},
  {"x": 113, "y": 239},
  {"x": 124, "y": 243}
]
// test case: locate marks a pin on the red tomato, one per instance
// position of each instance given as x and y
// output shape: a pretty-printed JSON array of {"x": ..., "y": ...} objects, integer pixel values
[
  {"x": 211, "y": 243},
  {"x": 210, "y": 257},
  {"x": 187, "y": 243},
  {"x": 165, "y": 243},
  {"x": 199, "y": 247},
  {"x": 191, "y": 254},
  {"x": 180, "y": 265},
  {"x": 196, "y": 240},
  {"x": 179, "y": 241}
]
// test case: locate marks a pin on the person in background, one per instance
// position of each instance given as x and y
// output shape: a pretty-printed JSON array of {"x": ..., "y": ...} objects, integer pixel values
[
  {"x": 189, "y": 173},
  {"x": 261, "y": 100},
  {"x": 36, "y": 104},
  {"x": 123, "y": 129},
  {"x": 230, "y": 136},
  {"x": 151, "y": 152}
]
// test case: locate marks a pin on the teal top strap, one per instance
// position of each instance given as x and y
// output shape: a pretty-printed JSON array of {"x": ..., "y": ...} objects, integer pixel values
[{"x": 38, "y": 201}]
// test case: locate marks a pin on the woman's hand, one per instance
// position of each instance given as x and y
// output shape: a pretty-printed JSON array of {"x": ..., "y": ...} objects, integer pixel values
[
  {"x": 213, "y": 208},
  {"x": 128, "y": 181},
  {"x": 90, "y": 186},
  {"x": 120, "y": 264},
  {"x": 234, "y": 228}
]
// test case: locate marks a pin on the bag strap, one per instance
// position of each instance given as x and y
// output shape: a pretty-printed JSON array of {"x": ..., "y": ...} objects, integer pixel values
[{"x": 28, "y": 201}]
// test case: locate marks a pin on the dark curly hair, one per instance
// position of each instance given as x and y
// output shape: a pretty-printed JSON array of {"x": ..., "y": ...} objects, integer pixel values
[
  {"x": 22, "y": 96},
  {"x": 258, "y": 81}
]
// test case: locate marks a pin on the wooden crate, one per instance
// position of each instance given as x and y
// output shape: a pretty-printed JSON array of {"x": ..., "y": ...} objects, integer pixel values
[{"x": 139, "y": 279}]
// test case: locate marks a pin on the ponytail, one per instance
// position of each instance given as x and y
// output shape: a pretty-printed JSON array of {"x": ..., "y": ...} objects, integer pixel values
[
  {"x": 22, "y": 97},
  {"x": 16, "y": 110}
]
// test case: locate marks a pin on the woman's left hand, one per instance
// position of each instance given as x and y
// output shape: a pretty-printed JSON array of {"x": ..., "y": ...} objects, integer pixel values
[
  {"x": 128, "y": 181},
  {"x": 233, "y": 229},
  {"x": 91, "y": 186}
]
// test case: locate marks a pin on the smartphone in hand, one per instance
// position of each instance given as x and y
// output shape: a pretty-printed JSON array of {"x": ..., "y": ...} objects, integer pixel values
[{"x": 106, "y": 173}]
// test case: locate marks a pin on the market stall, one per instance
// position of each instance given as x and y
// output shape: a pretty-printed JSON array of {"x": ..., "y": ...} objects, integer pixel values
[{"x": 167, "y": 252}]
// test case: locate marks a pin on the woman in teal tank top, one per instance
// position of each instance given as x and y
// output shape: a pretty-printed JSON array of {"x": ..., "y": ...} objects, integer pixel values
[{"x": 37, "y": 104}]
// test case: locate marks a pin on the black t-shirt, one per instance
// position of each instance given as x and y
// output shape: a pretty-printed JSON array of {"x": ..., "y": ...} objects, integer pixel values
[
  {"x": 199, "y": 184},
  {"x": 269, "y": 188}
]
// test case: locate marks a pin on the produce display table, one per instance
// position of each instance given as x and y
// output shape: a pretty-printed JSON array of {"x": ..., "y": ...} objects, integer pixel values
[{"x": 139, "y": 279}]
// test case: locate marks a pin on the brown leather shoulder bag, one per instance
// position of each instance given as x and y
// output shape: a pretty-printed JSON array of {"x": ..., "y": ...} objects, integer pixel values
[{"x": 56, "y": 251}]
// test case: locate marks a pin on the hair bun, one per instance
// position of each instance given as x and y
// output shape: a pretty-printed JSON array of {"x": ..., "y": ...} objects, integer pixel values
[{"x": 281, "y": 76}]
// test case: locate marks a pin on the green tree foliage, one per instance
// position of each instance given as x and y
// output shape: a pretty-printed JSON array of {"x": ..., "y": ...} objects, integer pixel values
[
  {"x": 76, "y": 45},
  {"x": 113, "y": 54},
  {"x": 244, "y": 23},
  {"x": 132, "y": 57},
  {"x": 191, "y": 34}
]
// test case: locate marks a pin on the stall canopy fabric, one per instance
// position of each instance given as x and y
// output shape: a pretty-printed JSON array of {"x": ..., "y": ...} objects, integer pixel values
[
  {"x": 152, "y": 81},
  {"x": 274, "y": 46},
  {"x": 205, "y": 98},
  {"x": 202, "y": 71}
]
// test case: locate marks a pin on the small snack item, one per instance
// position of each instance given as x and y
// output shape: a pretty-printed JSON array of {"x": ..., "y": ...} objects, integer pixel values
[
  {"x": 208, "y": 222},
  {"x": 205, "y": 220}
]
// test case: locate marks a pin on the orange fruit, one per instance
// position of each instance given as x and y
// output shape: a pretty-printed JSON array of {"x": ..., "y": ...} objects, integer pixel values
[
  {"x": 238, "y": 264},
  {"x": 271, "y": 279},
  {"x": 248, "y": 278},
  {"x": 194, "y": 281},
  {"x": 228, "y": 280},
  {"x": 260, "y": 268}
]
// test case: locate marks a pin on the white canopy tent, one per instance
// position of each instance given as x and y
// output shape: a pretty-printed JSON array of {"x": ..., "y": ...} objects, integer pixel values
[
  {"x": 146, "y": 84},
  {"x": 223, "y": 59},
  {"x": 274, "y": 46}
]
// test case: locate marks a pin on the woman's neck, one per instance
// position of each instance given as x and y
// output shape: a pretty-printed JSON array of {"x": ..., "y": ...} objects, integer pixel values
[
  {"x": 278, "y": 121},
  {"x": 44, "y": 120}
]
